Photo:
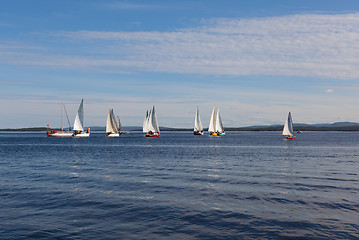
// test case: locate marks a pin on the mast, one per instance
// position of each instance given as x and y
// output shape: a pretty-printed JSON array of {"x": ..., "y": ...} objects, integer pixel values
[
  {"x": 67, "y": 117},
  {"x": 62, "y": 115}
]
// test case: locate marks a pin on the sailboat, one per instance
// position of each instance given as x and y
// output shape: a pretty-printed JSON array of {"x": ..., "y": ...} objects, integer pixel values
[
  {"x": 198, "y": 129},
  {"x": 215, "y": 124},
  {"x": 288, "y": 128},
  {"x": 111, "y": 125},
  {"x": 119, "y": 126},
  {"x": 150, "y": 124},
  {"x": 79, "y": 123},
  {"x": 60, "y": 132}
]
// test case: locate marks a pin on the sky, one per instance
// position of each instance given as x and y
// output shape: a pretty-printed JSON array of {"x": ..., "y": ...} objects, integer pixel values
[{"x": 254, "y": 60}]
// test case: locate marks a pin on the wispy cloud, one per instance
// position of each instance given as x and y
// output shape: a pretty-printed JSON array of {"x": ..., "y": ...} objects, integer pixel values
[
  {"x": 126, "y": 5},
  {"x": 317, "y": 45}
]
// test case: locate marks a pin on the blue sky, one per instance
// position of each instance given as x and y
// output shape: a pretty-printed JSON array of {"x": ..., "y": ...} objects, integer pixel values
[{"x": 255, "y": 60}]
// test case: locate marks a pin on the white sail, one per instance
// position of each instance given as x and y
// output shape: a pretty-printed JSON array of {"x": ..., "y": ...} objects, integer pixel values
[
  {"x": 151, "y": 123},
  {"x": 288, "y": 126},
  {"x": 111, "y": 126},
  {"x": 197, "y": 122},
  {"x": 108, "y": 122},
  {"x": 77, "y": 124},
  {"x": 211, "y": 127},
  {"x": 154, "y": 120},
  {"x": 219, "y": 124},
  {"x": 79, "y": 119},
  {"x": 119, "y": 126},
  {"x": 145, "y": 123}
]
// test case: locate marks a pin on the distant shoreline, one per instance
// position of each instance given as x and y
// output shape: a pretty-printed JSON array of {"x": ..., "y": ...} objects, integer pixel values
[{"x": 277, "y": 128}]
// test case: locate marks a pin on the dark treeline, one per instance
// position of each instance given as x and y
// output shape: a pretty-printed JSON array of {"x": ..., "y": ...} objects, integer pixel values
[{"x": 33, "y": 129}]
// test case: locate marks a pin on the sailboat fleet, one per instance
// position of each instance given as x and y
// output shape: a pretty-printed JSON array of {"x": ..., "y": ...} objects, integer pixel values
[{"x": 150, "y": 125}]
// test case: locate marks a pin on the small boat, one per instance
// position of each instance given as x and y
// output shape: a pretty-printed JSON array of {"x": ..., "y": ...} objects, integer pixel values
[
  {"x": 198, "y": 129},
  {"x": 111, "y": 125},
  {"x": 119, "y": 127},
  {"x": 79, "y": 123},
  {"x": 150, "y": 124},
  {"x": 60, "y": 132},
  {"x": 215, "y": 124},
  {"x": 288, "y": 131}
]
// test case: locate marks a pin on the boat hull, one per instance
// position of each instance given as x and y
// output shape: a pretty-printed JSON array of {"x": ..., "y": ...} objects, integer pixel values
[
  {"x": 54, "y": 133},
  {"x": 81, "y": 135},
  {"x": 152, "y": 135},
  {"x": 217, "y": 134},
  {"x": 291, "y": 137},
  {"x": 111, "y": 135},
  {"x": 198, "y": 133}
]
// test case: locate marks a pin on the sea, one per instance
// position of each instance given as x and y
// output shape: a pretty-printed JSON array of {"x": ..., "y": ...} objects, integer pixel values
[{"x": 245, "y": 185}]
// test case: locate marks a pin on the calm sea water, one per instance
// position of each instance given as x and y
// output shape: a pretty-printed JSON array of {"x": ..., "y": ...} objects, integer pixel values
[{"x": 246, "y": 185}]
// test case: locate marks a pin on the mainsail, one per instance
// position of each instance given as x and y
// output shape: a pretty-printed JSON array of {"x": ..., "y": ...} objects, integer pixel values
[
  {"x": 111, "y": 125},
  {"x": 154, "y": 120},
  {"x": 211, "y": 127},
  {"x": 197, "y": 122},
  {"x": 119, "y": 126},
  {"x": 145, "y": 123},
  {"x": 288, "y": 126},
  {"x": 219, "y": 124},
  {"x": 79, "y": 119},
  {"x": 150, "y": 123}
]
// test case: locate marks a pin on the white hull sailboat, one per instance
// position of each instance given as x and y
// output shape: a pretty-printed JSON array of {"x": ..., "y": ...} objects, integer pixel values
[
  {"x": 288, "y": 131},
  {"x": 150, "y": 124},
  {"x": 111, "y": 125},
  {"x": 79, "y": 123},
  {"x": 198, "y": 129},
  {"x": 215, "y": 124},
  {"x": 60, "y": 132}
]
